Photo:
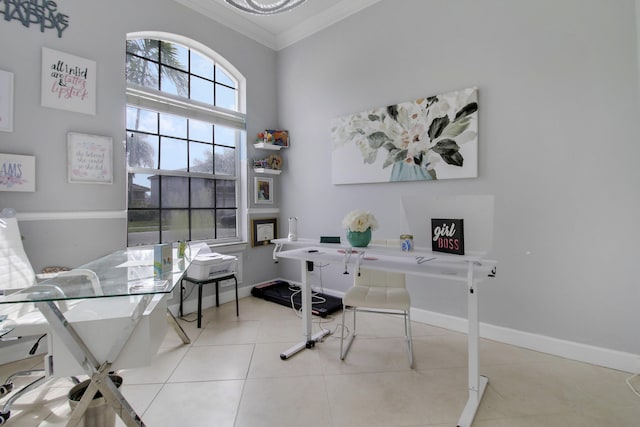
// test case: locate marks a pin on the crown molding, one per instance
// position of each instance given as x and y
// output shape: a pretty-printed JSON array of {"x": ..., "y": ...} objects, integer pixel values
[{"x": 234, "y": 20}]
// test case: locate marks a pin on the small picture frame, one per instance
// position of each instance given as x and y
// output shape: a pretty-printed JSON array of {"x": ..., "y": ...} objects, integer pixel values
[
  {"x": 6, "y": 101},
  {"x": 263, "y": 190},
  {"x": 447, "y": 235},
  {"x": 90, "y": 158},
  {"x": 263, "y": 231}
]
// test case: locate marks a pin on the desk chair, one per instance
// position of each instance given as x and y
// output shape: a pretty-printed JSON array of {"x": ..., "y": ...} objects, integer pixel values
[{"x": 380, "y": 292}]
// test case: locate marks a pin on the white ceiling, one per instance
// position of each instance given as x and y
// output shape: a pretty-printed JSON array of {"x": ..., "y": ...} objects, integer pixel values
[{"x": 280, "y": 30}]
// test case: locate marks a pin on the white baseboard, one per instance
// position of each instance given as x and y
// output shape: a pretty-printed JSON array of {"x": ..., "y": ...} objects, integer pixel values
[{"x": 627, "y": 362}]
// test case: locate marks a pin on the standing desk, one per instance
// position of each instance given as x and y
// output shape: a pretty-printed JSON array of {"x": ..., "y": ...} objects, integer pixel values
[
  {"x": 469, "y": 270},
  {"x": 125, "y": 274}
]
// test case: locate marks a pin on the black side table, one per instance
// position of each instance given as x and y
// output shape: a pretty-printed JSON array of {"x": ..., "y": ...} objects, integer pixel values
[{"x": 211, "y": 279}]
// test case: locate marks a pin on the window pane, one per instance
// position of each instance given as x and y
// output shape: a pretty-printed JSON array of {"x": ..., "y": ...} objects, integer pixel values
[
  {"x": 174, "y": 82},
  {"x": 223, "y": 77},
  {"x": 144, "y": 47},
  {"x": 143, "y": 227},
  {"x": 201, "y": 65},
  {"x": 225, "y": 136},
  {"x": 200, "y": 157},
  {"x": 142, "y": 72},
  {"x": 171, "y": 125},
  {"x": 174, "y": 55},
  {"x": 142, "y": 150},
  {"x": 225, "y": 161},
  {"x": 175, "y": 225},
  {"x": 225, "y": 194},
  {"x": 202, "y": 193},
  {"x": 175, "y": 192},
  {"x": 173, "y": 154},
  {"x": 143, "y": 190},
  {"x": 225, "y": 97},
  {"x": 226, "y": 223},
  {"x": 202, "y": 224},
  {"x": 201, "y": 90},
  {"x": 200, "y": 131},
  {"x": 142, "y": 120}
]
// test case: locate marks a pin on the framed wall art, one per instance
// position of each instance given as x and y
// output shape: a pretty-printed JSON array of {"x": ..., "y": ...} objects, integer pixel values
[
  {"x": 68, "y": 82},
  {"x": 6, "y": 101},
  {"x": 17, "y": 173},
  {"x": 263, "y": 231},
  {"x": 90, "y": 158},
  {"x": 263, "y": 190},
  {"x": 430, "y": 138}
]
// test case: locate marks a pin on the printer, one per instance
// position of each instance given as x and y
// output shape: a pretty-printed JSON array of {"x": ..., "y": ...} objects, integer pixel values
[{"x": 205, "y": 265}]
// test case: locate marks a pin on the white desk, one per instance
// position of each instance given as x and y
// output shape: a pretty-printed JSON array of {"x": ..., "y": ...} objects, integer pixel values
[{"x": 469, "y": 270}]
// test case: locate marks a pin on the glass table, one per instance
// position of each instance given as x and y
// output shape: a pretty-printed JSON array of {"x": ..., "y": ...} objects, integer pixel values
[{"x": 128, "y": 274}]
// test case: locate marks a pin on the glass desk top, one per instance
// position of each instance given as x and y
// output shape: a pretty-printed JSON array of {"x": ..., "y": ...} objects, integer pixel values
[{"x": 122, "y": 273}]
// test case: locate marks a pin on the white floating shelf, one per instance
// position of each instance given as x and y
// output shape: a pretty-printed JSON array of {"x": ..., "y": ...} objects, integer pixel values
[
  {"x": 266, "y": 146},
  {"x": 267, "y": 171}
]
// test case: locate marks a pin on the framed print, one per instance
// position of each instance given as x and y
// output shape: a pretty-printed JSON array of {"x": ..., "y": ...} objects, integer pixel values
[
  {"x": 68, "y": 82},
  {"x": 17, "y": 173},
  {"x": 90, "y": 158},
  {"x": 263, "y": 190},
  {"x": 6, "y": 101},
  {"x": 263, "y": 231}
]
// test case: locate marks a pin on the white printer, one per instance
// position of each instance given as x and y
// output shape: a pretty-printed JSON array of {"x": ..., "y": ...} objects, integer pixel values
[{"x": 205, "y": 265}]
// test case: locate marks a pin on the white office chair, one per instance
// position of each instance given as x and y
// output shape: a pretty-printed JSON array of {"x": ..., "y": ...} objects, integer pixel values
[{"x": 381, "y": 292}]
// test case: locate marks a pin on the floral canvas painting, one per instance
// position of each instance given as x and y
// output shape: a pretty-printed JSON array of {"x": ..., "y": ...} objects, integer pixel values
[{"x": 426, "y": 139}]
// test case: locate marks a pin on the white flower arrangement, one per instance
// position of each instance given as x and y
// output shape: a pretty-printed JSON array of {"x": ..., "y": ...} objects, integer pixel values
[{"x": 359, "y": 220}]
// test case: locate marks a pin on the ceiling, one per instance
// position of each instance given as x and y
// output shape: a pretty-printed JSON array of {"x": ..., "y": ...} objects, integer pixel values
[{"x": 280, "y": 30}]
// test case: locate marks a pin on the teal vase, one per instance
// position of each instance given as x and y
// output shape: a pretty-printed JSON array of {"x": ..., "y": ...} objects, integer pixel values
[
  {"x": 403, "y": 171},
  {"x": 359, "y": 239}
]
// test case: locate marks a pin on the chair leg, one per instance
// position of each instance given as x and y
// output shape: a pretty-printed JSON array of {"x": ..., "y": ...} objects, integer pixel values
[
  {"x": 408, "y": 338},
  {"x": 343, "y": 354}
]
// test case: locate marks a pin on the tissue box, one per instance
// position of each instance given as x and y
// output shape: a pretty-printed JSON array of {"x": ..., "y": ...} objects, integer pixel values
[{"x": 205, "y": 265}]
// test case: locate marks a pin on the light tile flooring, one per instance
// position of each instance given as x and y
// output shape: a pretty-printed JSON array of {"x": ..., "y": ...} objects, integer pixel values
[{"x": 231, "y": 375}]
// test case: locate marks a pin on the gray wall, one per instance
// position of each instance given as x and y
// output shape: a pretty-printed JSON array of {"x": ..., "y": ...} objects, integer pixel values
[
  {"x": 97, "y": 31},
  {"x": 558, "y": 132}
]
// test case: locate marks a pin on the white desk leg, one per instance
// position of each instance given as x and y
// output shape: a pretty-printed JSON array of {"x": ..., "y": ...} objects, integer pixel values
[
  {"x": 477, "y": 383},
  {"x": 96, "y": 371},
  {"x": 310, "y": 339}
]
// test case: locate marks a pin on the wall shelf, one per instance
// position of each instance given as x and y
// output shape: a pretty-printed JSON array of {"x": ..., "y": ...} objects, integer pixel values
[
  {"x": 266, "y": 146},
  {"x": 267, "y": 171}
]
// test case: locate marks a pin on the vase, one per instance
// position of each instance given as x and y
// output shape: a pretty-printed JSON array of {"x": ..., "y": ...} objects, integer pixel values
[
  {"x": 403, "y": 171},
  {"x": 359, "y": 239}
]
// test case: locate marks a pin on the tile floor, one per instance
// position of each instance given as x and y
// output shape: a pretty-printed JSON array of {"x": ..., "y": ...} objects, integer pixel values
[{"x": 231, "y": 375}]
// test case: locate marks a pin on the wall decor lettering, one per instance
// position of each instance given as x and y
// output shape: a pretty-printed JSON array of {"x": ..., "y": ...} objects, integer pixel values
[
  {"x": 447, "y": 235},
  {"x": 426, "y": 139},
  {"x": 90, "y": 158},
  {"x": 68, "y": 82},
  {"x": 17, "y": 173},
  {"x": 42, "y": 14}
]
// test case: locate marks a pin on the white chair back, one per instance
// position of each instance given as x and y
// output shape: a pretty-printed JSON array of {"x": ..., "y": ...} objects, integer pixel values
[{"x": 15, "y": 269}]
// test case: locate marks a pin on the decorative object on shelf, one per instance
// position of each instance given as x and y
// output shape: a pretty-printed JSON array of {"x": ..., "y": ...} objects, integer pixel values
[
  {"x": 263, "y": 231},
  {"x": 90, "y": 158},
  {"x": 17, "y": 173},
  {"x": 279, "y": 138},
  {"x": 293, "y": 229},
  {"x": 274, "y": 161},
  {"x": 6, "y": 101},
  {"x": 426, "y": 139},
  {"x": 447, "y": 235},
  {"x": 264, "y": 7},
  {"x": 359, "y": 225},
  {"x": 263, "y": 190},
  {"x": 68, "y": 82}
]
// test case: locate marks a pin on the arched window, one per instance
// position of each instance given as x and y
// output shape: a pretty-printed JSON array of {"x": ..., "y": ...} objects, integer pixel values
[{"x": 185, "y": 115}]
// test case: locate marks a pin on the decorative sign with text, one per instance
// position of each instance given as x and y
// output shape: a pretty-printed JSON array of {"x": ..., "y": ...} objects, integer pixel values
[
  {"x": 17, "y": 173},
  {"x": 447, "y": 235},
  {"x": 90, "y": 158},
  {"x": 68, "y": 82},
  {"x": 41, "y": 14}
]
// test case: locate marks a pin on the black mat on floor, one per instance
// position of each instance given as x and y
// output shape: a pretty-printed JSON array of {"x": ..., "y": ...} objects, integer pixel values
[{"x": 280, "y": 292}]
